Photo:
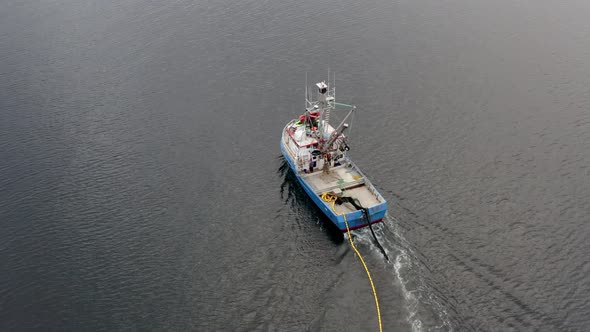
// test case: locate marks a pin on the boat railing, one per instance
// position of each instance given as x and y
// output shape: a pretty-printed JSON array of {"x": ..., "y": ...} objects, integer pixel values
[{"x": 367, "y": 182}]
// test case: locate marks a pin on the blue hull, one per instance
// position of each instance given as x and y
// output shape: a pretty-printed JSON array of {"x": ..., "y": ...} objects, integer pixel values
[{"x": 355, "y": 219}]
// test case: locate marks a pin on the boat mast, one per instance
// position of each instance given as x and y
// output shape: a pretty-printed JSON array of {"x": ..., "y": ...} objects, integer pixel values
[
  {"x": 306, "y": 100},
  {"x": 323, "y": 108}
]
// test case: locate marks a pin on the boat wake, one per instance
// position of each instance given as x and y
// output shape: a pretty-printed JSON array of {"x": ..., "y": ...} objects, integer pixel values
[{"x": 425, "y": 310}]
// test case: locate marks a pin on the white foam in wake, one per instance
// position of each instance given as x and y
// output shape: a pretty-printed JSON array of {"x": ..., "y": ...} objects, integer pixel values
[{"x": 411, "y": 285}]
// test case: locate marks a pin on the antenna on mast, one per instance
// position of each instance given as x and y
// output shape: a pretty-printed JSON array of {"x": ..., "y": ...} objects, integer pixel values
[
  {"x": 334, "y": 88},
  {"x": 306, "y": 100}
]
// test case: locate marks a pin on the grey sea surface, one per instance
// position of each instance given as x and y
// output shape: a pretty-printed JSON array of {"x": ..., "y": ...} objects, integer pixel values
[{"x": 142, "y": 187}]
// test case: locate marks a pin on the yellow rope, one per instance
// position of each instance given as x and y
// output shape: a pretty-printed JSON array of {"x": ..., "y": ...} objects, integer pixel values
[{"x": 331, "y": 198}]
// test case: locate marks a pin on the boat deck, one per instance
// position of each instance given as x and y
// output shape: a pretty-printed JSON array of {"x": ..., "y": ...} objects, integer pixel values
[
  {"x": 340, "y": 177},
  {"x": 343, "y": 179}
]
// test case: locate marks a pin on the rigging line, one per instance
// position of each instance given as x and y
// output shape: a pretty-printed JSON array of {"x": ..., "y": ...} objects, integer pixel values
[
  {"x": 351, "y": 124},
  {"x": 341, "y": 104},
  {"x": 331, "y": 198},
  {"x": 358, "y": 206}
]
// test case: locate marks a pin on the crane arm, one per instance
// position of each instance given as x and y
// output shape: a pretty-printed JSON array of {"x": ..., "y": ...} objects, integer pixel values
[{"x": 337, "y": 132}]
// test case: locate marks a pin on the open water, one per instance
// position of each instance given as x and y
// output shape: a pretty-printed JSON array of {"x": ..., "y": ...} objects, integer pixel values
[{"x": 141, "y": 184}]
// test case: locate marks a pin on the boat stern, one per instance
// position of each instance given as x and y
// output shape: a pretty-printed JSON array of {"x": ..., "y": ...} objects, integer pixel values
[{"x": 356, "y": 219}]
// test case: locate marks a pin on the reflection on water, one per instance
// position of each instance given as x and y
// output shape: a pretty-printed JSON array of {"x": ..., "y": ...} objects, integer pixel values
[{"x": 295, "y": 196}]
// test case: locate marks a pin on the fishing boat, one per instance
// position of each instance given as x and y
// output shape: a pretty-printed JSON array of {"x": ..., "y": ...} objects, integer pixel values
[{"x": 317, "y": 153}]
